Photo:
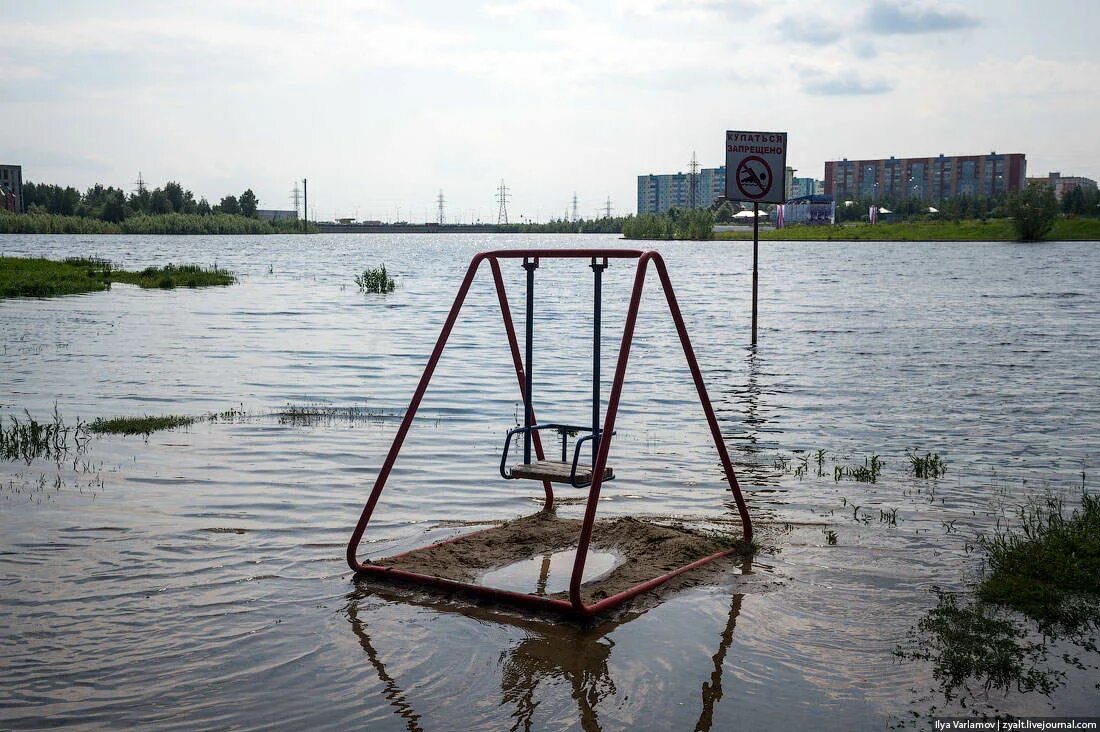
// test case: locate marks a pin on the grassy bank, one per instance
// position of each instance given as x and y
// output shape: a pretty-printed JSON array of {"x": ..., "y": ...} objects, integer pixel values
[
  {"x": 23, "y": 277},
  {"x": 174, "y": 223},
  {"x": 1076, "y": 229}
]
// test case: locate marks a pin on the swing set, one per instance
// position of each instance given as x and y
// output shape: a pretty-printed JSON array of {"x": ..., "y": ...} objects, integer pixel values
[{"x": 535, "y": 465}]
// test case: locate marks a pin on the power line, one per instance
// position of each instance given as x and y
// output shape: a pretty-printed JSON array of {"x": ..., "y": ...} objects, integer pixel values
[
  {"x": 502, "y": 198},
  {"x": 574, "y": 205},
  {"x": 607, "y": 208},
  {"x": 296, "y": 198},
  {"x": 140, "y": 183},
  {"x": 693, "y": 182},
  {"x": 439, "y": 200}
]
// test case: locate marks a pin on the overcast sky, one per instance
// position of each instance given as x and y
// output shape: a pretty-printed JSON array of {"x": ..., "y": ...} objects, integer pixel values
[{"x": 382, "y": 104}]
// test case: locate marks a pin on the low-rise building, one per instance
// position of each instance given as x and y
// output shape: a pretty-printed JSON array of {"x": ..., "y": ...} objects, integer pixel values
[
  {"x": 11, "y": 188},
  {"x": 1063, "y": 184},
  {"x": 271, "y": 214}
]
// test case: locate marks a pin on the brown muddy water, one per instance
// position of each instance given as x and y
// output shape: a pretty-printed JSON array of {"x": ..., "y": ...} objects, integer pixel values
[{"x": 196, "y": 579}]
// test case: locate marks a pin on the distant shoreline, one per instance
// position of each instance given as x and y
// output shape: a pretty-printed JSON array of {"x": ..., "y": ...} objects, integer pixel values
[{"x": 1075, "y": 229}]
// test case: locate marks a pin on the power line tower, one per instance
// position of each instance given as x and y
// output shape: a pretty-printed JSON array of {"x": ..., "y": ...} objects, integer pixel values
[
  {"x": 140, "y": 183},
  {"x": 574, "y": 205},
  {"x": 439, "y": 201},
  {"x": 607, "y": 208},
  {"x": 502, "y": 198},
  {"x": 693, "y": 182},
  {"x": 296, "y": 198}
]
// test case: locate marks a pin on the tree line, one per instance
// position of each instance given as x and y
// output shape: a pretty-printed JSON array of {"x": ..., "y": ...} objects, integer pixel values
[{"x": 113, "y": 205}]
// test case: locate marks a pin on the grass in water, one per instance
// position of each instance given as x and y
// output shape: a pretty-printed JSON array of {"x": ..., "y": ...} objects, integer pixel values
[
  {"x": 866, "y": 473},
  {"x": 375, "y": 280},
  {"x": 1047, "y": 570},
  {"x": 929, "y": 465},
  {"x": 173, "y": 276},
  {"x": 33, "y": 439},
  {"x": 146, "y": 425},
  {"x": 23, "y": 277}
]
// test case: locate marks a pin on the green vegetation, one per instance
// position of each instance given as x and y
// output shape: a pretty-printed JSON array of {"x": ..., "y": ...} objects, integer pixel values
[
  {"x": 21, "y": 277},
  {"x": 1047, "y": 570},
  {"x": 139, "y": 425},
  {"x": 33, "y": 439},
  {"x": 603, "y": 225},
  {"x": 1075, "y": 229},
  {"x": 171, "y": 223},
  {"x": 172, "y": 276},
  {"x": 375, "y": 280},
  {"x": 866, "y": 473},
  {"x": 1034, "y": 211},
  {"x": 45, "y": 278},
  {"x": 695, "y": 225},
  {"x": 929, "y": 465},
  {"x": 51, "y": 209}
]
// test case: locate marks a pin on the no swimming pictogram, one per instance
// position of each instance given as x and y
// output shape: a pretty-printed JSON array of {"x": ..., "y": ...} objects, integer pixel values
[
  {"x": 756, "y": 166},
  {"x": 753, "y": 177}
]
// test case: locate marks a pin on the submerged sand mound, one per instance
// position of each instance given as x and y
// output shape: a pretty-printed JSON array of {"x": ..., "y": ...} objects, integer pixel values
[{"x": 644, "y": 550}]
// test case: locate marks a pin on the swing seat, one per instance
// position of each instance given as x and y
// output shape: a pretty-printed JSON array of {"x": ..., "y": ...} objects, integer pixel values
[
  {"x": 557, "y": 471},
  {"x": 553, "y": 471}
]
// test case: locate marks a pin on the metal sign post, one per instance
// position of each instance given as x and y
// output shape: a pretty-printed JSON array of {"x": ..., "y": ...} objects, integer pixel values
[{"x": 756, "y": 166}]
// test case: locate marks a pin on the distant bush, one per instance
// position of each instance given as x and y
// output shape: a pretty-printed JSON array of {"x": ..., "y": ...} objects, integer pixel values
[
  {"x": 1034, "y": 211},
  {"x": 695, "y": 225},
  {"x": 172, "y": 223}
]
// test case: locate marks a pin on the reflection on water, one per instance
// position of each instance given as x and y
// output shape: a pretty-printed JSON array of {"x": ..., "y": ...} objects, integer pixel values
[
  {"x": 552, "y": 571},
  {"x": 548, "y": 653}
]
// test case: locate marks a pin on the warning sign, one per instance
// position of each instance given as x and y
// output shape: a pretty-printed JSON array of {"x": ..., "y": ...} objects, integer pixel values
[{"x": 756, "y": 164}]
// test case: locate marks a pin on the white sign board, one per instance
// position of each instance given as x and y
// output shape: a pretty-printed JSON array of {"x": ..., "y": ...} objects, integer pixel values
[{"x": 756, "y": 166}]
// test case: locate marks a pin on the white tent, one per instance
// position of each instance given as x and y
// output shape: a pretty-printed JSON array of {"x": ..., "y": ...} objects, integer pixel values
[
  {"x": 883, "y": 209},
  {"x": 932, "y": 209},
  {"x": 747, "y": 214}
]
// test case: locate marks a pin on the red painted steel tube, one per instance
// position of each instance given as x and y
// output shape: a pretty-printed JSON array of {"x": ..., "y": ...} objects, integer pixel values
[
  {"x": 564, "y": 253},
  {"x": 517, "y": 361},
  {"x": 406, "y": 422},
  {"x": 704, "y": 399},
  {"x": 605, "y": 443},
  {"x": 609, "y": 428}
]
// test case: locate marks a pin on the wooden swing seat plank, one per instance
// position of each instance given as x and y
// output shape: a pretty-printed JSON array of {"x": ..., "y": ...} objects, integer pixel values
[{"x": 556, "y": 471}]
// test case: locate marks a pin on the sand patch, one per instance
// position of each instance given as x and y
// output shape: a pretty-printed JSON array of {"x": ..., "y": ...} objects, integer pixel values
[{"x": 646, "y": 550}]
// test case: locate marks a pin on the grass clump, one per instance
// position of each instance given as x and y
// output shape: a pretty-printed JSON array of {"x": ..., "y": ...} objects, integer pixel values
[
  {"x": 866, "y": 473},
  {"x": 22, "y": 277},
  {"x": 33, "y": 439},
  {"x": 139, "y": 425},
  {"x": 929, "y": 465},
  {"x": 1048, "y": 569},
  {"x": 173, "y": 276},
  {"x": 375, "y": 280},
  {"x": 26, "y": 277}
]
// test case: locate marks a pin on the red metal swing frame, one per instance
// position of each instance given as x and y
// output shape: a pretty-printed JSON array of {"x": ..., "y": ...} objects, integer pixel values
[{"x": 574, "y": 605}]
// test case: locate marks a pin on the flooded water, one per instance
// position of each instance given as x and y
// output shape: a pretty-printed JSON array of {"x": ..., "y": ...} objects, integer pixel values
[{"x": 196, "y": 579}]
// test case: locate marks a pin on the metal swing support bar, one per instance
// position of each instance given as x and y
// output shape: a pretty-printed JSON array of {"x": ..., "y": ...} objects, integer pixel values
[{"x": 574, "y": 605}]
